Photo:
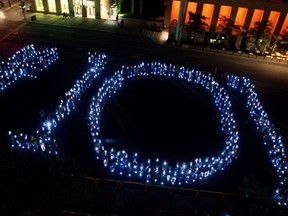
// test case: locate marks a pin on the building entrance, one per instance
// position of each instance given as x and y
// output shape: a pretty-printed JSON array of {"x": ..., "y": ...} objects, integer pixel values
[
  {"x": 77, "y": 4},
  {"x": 90, "y": 5},
  {"x": 85, "y": 8}
]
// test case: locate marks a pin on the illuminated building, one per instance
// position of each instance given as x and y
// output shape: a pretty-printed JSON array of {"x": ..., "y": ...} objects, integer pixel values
[
  {"x": 244, "y": 13},
  {"x": 99, "y": 9},
  {"x": 82, "y": 8}
]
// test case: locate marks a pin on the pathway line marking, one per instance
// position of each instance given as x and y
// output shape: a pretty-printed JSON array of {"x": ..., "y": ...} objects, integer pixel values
[{"x": 12, "y": 32}]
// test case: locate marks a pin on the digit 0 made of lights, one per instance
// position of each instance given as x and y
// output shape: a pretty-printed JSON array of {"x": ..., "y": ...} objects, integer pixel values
[{"x": 154, "y": 170}]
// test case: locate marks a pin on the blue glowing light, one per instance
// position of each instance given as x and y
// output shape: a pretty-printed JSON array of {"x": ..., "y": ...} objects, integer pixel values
[
  {"x": 44, "y": 139},
  {"x": 156, "y": 170},
  {"x": 27, "y": 62},
  {"x": 273, "y": 142}
]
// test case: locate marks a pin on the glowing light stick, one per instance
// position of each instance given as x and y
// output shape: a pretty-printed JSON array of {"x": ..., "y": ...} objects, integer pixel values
[
  {"x": 43, "y": 139},
  {"x": 157, "y": 170},
  {"x": 273, "y": 142},
  {"x": 25, "y": 63}
]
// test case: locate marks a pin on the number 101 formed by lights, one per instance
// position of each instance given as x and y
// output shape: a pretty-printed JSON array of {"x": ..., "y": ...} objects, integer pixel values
[{"x": 156, "y": 170}]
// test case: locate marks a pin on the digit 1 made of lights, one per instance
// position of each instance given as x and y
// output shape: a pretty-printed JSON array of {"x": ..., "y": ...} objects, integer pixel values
[{"x": 43, "y": 138}]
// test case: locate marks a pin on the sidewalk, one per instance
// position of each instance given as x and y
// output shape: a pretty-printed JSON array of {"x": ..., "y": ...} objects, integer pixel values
[
  {"x": 131, "y": 26},
  {"x": 137, "y": 27}
]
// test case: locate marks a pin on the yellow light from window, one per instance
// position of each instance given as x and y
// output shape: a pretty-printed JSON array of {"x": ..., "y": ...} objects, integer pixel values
[
  {"x": 285, "y": 24},
  {"x": 207, "y": 11},
  {"x": 192, "y": 6},
  {"x": 257, "y": 17}
]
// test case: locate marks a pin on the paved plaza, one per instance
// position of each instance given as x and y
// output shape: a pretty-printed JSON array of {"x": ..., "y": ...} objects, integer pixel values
[{"x": 116, "y": 199}]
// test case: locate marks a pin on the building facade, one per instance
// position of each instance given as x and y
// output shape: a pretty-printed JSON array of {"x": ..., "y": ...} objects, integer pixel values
[
  {"x": 98, "y": 9},
  {"x": 244, "y": 12}
]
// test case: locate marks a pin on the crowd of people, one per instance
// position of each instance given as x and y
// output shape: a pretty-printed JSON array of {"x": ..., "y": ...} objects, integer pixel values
[
  {"x": 26, "y": 62},
  {"x": 273, "y": 141},
  {"x": 44, "y": 138},
  {"x": 156, "y": 170}
]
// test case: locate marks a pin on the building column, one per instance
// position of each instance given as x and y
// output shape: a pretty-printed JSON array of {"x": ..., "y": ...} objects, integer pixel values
[
  {"x": 33, "y": 5},
  {"x": 84, "y": 10},
  {"x": 58, "y": 8},
  {"x": 248, "y": 19},
  {"x": 280, "y": 23},
  {"x": 132, "y": 6},
  {"x": 45, "y": 5},
  {"x": 233, "y": 13},
  {"x": 141, "y": 7},
  {"x": 167, "y": 13},
  {"x": 70, "y": 6},
  {"x": 266, "y": 14},
  {"x": 181, "y": 20},
  {"x": 215, "y": 17},
  {"x": 199, "y": 8},
  {"x": 97, "y": 9}
]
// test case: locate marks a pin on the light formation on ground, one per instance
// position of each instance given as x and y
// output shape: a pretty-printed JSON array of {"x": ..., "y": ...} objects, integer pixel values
[{"x": 28, "y": 62}]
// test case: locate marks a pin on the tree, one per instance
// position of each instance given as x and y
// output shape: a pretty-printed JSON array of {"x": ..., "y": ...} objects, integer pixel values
[
  {"x": 258, "y": 200},
  {"x": 227, "y": 27},
  {"x": 281, "y": 43},
  {"x": 196, "y": 24},
  {"x": 262, "y": 34},
  {"x": 284, "y": 35}
]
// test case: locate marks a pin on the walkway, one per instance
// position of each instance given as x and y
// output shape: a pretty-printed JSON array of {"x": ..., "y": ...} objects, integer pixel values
[{"x": 131, "y": 26}]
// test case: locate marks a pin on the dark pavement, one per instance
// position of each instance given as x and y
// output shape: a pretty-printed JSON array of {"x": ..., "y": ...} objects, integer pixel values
[{"x": 124, "y": 201}]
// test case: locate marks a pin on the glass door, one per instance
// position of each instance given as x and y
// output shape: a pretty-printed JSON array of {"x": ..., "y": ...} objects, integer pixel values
[
  {"x": 64, "y": 6},
  {"x": 91, "y": 8},
  {"x": 77, "y": 7},
  {"x": 39, "y": 5}
]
